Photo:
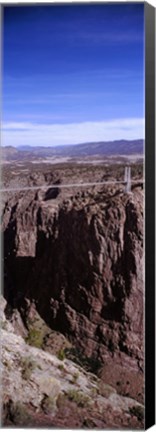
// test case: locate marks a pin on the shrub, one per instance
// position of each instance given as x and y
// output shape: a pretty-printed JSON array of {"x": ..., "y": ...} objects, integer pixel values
[
  {"x": 34, "y": 338},
  {"x": 17, "y": 413},
  {"x": 3, "y": 325},
  {"x": 61, "y": 354},
  {"x": 78, "y": 397},
  {"x": 75, "y": 377},
  {"x": 61, "y": 367},
  {"x": 94, "y": 391},
  {"x": 28, "y": 365},
  {"x": 48, "y": 404}
]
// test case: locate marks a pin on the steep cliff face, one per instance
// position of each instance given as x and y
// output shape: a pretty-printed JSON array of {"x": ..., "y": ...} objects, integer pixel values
[{"x": 79, "y": 262}]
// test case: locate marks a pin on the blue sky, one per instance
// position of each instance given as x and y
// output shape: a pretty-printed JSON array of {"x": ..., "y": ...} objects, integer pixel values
[{"x": 73, "y": 73}]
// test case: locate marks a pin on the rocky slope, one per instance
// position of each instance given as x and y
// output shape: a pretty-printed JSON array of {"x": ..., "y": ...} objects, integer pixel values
[
  {"x": 78, "y": 262},
  {"x": 39, "y": 390}
]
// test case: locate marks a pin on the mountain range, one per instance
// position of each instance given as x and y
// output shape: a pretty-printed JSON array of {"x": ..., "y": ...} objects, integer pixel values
[{"x": 108, "y": 148}]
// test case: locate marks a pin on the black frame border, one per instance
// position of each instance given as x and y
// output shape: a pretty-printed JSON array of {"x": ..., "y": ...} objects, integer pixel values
[{"x": 149, "y": 216}]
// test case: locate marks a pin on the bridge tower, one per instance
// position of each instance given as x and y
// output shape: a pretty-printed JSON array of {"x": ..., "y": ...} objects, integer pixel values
[{"x": 127, "y": 179}]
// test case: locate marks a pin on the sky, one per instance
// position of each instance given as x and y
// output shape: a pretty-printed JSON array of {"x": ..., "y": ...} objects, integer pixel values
[{"x": 72, "y": 73}]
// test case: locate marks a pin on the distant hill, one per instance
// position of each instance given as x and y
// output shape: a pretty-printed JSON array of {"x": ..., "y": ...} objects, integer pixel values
[
  {"x": 108, "y": 148},
  {"x": 8, "y": 151}
]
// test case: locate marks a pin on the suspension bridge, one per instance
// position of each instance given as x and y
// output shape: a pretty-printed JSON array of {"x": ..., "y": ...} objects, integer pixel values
[{"x": 127, "y": 182}]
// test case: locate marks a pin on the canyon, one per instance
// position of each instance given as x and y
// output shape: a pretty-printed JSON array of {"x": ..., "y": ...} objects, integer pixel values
[{"x": 73, "y": 277}]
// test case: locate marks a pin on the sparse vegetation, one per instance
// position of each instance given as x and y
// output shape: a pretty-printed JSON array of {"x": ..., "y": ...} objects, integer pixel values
[
  {"x": 74, "y": 378},
  {"x": 61, "y": 354},
  {"x": 34, "y": 338},
  {"x": 27, "y": 365},
  {"x": 61, "y": 367},
  {"x": 17, "y": 413},
  {"x": 48, "y": 404},
  {"x": 3, "y": 325},
  {"x": 78, "y": 397},
  {"x": 94, "y": 391}
]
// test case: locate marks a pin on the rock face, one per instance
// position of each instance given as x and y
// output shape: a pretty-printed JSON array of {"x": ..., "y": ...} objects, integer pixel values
[{"x": 79, "y": 261}]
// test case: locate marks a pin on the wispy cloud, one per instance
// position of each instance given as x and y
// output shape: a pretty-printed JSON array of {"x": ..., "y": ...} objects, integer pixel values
[
  {"x": 98, "y": 38},
  {"x": 24, "y": 133},
  {"x": 47, "y": 99}
]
